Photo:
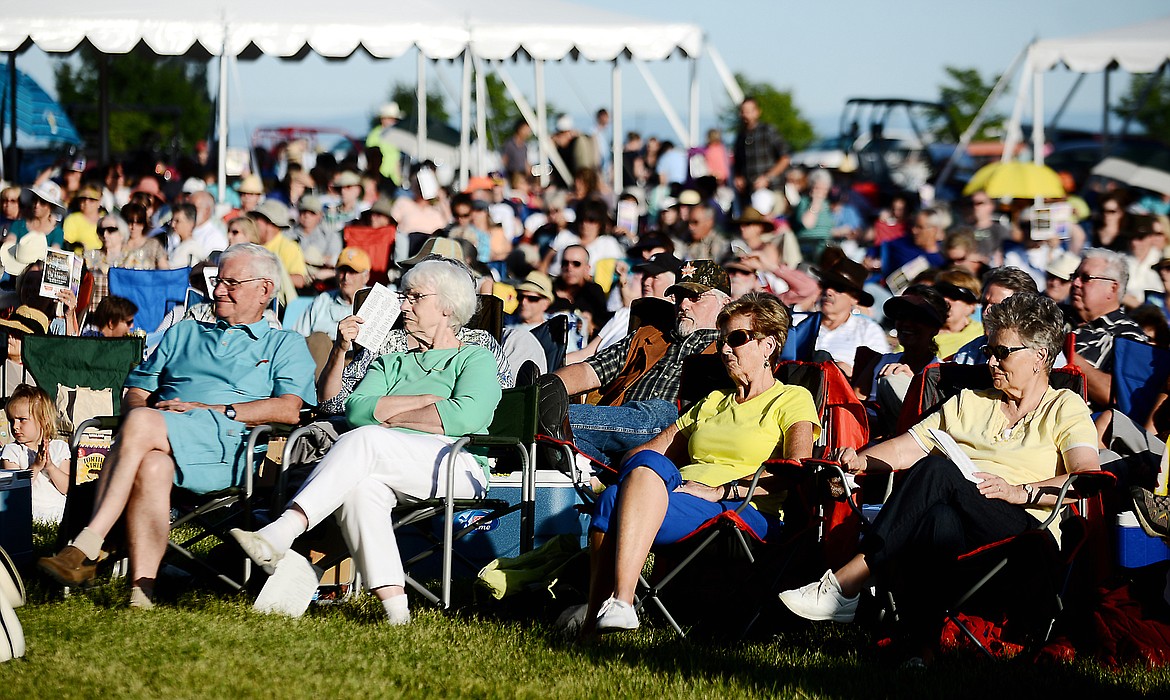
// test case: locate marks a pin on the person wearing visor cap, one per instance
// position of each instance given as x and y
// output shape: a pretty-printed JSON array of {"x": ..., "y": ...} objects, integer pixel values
[
  {"x": 638, "y": 377},
  {"x": 961, "y": 289}
]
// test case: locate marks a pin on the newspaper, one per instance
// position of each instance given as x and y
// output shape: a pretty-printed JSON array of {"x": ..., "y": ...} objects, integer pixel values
[
  {"x": 956, "y": 454},
  {"x": 378, "y": 313},
  {"x": 904, "y": 276},
  {"x": 62, "y": 271}
]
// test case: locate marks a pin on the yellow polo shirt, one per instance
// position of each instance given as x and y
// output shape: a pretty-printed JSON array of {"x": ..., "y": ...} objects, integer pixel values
[
  {"x": 729, "y": 440},
  {"x": 289, "y": 252},
  {"x": 79, "y": 229}
]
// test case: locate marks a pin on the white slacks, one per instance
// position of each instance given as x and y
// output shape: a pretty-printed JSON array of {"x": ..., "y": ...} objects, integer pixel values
[{"x": 366, "y": 474}]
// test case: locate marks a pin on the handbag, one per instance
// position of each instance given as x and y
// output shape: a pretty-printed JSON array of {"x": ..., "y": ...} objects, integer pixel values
[{"x": 11, "y": 597}]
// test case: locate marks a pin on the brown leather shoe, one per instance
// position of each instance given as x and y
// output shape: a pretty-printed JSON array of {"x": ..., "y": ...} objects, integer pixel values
[{"x": 69, "y": 567}]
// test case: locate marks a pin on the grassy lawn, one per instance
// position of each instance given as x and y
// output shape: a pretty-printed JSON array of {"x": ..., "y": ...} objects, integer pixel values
[{"x": 202, "y": 645}]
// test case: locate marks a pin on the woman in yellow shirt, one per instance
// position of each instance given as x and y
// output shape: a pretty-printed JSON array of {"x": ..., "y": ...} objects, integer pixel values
[
  {"x": 1023, "y": 438},
  {"x": 721, "y": 440}
]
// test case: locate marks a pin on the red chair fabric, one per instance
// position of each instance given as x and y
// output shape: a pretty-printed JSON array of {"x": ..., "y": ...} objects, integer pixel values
[{"x": 378, "y": 244}]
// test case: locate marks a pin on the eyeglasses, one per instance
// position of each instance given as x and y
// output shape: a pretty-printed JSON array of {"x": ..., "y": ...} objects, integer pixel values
[
  {"x": 533, "y": 298},
  {"x": 737, "y": 338},
  {"x": 1001, "y": 352},
  {"x": 107, "y": 229},
  {"x": 1111, "y": 211},
  {"x": 575, "y": 263},
  {"x": 412, "y": 297},
  {"x": 231, "y": 284},
  {"x": 1085, "y": 278}
]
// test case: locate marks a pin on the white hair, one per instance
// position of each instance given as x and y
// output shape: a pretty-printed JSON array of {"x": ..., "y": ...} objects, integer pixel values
[
  {"x": 262, "y": 262},
  {"x": 1115, "y": 267},
  {"x": 451, "y": 283}
]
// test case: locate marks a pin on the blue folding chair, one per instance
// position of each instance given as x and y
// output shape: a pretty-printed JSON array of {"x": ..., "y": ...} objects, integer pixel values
[
  {"x": 802, "y": 337},
  {"x": 1140, "y": 371},
  {"x": 154, "y": 292}
]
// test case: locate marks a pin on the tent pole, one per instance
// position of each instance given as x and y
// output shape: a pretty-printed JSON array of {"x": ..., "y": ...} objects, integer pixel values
[
  {"x": 617, "y": 141},
  {"x": 541, "y": 123},
  {"x": 660, "y": 97},
  {"x": 1013, "y": 127},
  {"x": 734, "y": 91},
  {"x": 420, "y": 111},
  {"x": 1038, "y": 117},
  {"x": 1067, "y": 99},
  {"x": 480, "y": 118},
  {"x": 1105, "y": 115},
  {"x": 222, "y": 125},
  {"x": 693, "y": 117},
  {"x": 531, "y": 119},
  {"x": 104, "y": 107},
  {"x": 465, "y": 121},
  {"x": 13, "y": 154}
]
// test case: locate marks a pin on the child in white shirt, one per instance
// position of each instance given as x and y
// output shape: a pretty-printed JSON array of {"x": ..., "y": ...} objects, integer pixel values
[{"x": 34, "y": 424}]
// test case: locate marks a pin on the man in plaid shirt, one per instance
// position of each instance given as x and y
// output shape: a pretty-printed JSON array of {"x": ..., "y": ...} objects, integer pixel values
[
  {"x": 638, "y": 377},
  {"x": 760, "y": 154}
]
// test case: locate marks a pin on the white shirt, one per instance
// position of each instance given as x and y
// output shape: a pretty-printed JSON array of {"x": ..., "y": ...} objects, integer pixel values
[
  {"x": 842, "y": 342},
  {"x": 1142, "y": 276},
  {"x": 211, "y": 236},
  {"x": 48, "y": 504},
  {"x": 601, "y": 248}
]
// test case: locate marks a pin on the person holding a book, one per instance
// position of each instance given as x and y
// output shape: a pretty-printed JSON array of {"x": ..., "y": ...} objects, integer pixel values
[{"x": 1022, "y": 437}]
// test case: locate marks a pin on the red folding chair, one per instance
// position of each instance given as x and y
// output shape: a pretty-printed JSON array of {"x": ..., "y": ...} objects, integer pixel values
[{"x": 378, "y": 244}]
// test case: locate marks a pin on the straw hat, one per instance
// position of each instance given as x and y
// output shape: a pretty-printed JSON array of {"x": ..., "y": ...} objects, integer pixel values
[
  {"x": 15, "y": 256},
  {"x": 27, "y": 320}
]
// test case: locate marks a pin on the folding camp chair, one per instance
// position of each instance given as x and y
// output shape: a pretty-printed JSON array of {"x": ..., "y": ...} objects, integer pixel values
[
  {"x": 511, "y": 433},
  {"x": 802, "y": 337},
  {"x": 378, "y": 244},
  {"x": 1140, "y": 371},
  {"x": 155, "y": 292}
]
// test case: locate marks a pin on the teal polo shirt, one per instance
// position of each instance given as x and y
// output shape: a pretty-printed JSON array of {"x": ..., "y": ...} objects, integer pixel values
[{"x": 217, "y": 363}]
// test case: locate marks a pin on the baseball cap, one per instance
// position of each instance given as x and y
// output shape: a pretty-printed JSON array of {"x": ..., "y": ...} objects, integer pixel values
[
  {"x": 355, "y": 259},
  {"x": 659, "y": 263},
  {"x": 700, "y": 277}
]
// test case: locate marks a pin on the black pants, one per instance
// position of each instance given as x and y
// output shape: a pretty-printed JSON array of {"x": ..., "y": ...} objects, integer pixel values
[{"x": 933, "y": 516}]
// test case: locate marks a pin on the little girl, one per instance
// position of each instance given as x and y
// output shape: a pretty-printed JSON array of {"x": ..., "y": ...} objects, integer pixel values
[{"x": 32, "y": 416}]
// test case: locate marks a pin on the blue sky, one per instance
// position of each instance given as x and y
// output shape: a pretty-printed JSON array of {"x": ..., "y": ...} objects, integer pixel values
[{"x": 824, "y": 52}]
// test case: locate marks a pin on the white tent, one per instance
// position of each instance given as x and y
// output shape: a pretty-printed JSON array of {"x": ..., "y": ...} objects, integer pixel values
[
  {"x": 1138, "y": 48},
  {"x": 544, "y": 30}
]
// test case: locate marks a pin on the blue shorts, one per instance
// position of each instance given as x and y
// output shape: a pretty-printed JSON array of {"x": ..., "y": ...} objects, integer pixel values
[
  {"x": 208, "y": 449},
  {"x": 684, "y": 512}
]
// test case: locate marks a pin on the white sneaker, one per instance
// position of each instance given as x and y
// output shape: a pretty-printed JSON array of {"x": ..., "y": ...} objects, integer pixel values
[
  {"x": 617, "y": 615},
  {"x": 258, "y": 549},
  {"x": 821, "y": 600}
]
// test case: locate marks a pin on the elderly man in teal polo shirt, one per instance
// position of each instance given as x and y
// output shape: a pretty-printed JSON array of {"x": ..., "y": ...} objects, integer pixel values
[{"x": 187, "y": 410}]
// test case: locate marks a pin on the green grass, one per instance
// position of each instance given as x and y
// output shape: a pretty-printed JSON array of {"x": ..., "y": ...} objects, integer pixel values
[{"x": 202, "y": 645}]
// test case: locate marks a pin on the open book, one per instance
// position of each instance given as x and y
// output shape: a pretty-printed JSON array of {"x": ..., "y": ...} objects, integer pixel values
[{"x": 956, "y": 454}]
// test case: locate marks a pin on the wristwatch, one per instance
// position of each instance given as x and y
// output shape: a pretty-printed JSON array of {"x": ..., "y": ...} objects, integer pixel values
[
  {"x": 230, "y": 411},
  {"x": 1030, "y": 491}
]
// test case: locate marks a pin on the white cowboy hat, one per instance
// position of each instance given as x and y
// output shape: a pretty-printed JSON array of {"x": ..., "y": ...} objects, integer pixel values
[{"x": 15, "y": 256}]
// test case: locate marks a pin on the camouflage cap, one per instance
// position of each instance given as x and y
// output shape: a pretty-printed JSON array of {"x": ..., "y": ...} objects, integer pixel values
[{"x": 699, "y": 277}]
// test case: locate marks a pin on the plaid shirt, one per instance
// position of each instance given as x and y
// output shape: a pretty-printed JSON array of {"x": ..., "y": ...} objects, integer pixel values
[
  {"x": 660, "y": 381},
  {"x": 757, "y": 149}
]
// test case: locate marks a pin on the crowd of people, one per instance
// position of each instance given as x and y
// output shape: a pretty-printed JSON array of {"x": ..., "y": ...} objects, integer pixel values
[{"x": 726, "y": 248}]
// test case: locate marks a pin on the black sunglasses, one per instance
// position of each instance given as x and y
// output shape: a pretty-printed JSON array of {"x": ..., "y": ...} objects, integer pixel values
[
  {"x": 575, "y": 263},
  {"x": 1001, "y": 352},
  {"x": 107, "y": 229},
  {"x": 737, "y": 338}
]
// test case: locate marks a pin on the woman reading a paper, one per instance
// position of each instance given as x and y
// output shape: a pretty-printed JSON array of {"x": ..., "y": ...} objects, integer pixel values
[
  {"x": 1018, "y": 440},
  {"x": 408, "y": 411},
  {"x": 347, "y": 363}
]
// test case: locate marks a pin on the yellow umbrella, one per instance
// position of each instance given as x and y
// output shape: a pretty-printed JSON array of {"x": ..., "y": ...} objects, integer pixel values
[{"x": 1016, "y": 180}]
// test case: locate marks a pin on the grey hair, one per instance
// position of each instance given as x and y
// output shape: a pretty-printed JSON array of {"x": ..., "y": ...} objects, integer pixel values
[
  {"x": 1036, "y": 318},
  {"x": 1115, "y": 267},
  {"x": 1012, "y": 278},
  {"x": 451, "y": 284},
  {"x": 934, "y": 218},
  {"x": 820, "y": 177},
  {"x": 262, "y": 262}
]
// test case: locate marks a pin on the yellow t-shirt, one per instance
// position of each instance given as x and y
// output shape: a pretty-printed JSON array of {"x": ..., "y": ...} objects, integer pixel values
[
  {"x": 950, "y": 343},
  {"x": 79, "y": 229},
  {"x": 729, "y": 440},
  {"x": 1032, "y": 451},
  {"x": 290, "y": 254}
]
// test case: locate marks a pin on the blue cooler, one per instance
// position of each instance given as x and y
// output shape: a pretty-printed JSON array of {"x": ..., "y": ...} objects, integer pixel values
[
  {"x": 16, "y": 515},
  {"x": 1134, "y": 547}
]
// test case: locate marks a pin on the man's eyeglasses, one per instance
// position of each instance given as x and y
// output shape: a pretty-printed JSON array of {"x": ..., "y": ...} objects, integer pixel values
[
  {"x": 231, "y": 283},
  {"x": 1085, "y": 278},
  {"x": 412, "y": 297},
  {"x": 575, "y": 263},
  {"x": 737, "y": 338},
  {"x": 533, "y": 298},
  {"x": 1001, "y": 352}
]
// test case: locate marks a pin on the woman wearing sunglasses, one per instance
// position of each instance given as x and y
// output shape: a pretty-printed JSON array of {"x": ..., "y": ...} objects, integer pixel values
[
  {"x": 691, "y": 471},
  {"x": 1023, "y": 437}
]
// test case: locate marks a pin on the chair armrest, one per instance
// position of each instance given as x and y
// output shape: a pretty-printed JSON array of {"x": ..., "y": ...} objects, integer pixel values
[{"x": 1089, "y": 484}]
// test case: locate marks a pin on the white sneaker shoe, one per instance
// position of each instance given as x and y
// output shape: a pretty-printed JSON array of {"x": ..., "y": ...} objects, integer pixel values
[
  {"x": 821, "y": 600},
  {"x": 617, "y": 615},
  {"x": 258, "y": 549}
]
